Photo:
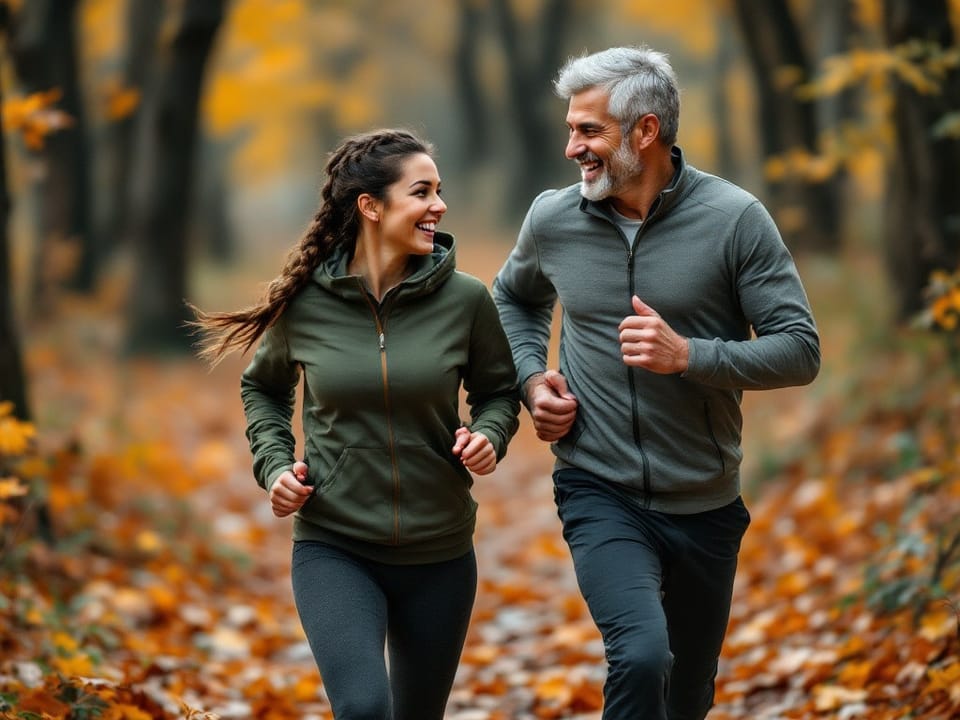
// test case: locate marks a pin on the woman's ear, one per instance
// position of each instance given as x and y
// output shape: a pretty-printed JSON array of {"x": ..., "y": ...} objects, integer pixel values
[{"x": 369, "y": 207}]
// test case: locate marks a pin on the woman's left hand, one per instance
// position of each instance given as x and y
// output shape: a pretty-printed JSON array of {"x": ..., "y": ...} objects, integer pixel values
[{"x": 475, "y": 451}]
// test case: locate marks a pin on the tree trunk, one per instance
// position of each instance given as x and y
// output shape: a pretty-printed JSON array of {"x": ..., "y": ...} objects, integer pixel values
[
  {"x": 142, "y": 32},
  {"x": 923, "y": 220},
  {"x": 13, "y": 385},
  {"x": 13, "y": 378},
  {"x": 164, "y": 183},
  {"x": 469, "y": 91},
  {"x": 807, "y": 211},
  {"x": 45, "y": 56},
  {"x": 726, "y": 159},
  {"x": 529, "y": 91}
]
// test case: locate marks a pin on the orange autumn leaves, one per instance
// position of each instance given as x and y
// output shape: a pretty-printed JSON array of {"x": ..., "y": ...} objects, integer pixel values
[
  {"x": 168, "y": 593},
  {"x": 943, "y": 302},
  {"x": 15, "y": 435}
]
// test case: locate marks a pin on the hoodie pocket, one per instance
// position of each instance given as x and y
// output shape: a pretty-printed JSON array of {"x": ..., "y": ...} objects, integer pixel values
[
  {"x": 375, "y": 496},
  {"x": 434, "y": 498},
  {"x": 356, "y": 496}
]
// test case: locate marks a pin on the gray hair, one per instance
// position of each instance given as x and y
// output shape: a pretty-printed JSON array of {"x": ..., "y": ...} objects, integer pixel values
[{"x": 638, "y": 81}]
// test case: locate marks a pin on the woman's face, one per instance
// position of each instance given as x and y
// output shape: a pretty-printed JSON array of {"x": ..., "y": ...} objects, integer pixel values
[{"x": 413, "y": 207}]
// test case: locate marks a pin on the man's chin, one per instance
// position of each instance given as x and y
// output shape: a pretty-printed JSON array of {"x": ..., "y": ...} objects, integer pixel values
[{"x": 594, "y": 192}]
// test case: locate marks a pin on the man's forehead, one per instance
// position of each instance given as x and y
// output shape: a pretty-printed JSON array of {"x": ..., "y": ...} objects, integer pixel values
[{"x": 588, "y": 114}]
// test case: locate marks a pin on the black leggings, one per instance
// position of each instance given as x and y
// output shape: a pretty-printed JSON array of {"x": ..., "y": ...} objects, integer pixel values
[{"x": 350, "y": 607}]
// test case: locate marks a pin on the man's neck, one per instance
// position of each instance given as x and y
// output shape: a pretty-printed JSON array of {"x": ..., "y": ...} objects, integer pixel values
[{"x": 636, "y": 200}]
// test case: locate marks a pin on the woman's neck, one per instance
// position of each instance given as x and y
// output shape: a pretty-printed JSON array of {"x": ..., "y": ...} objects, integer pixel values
[{"x": 381, "y": 270}]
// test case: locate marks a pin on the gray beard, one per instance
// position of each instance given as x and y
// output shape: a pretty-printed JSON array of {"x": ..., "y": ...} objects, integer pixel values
[{"x": 623, "y": 167}]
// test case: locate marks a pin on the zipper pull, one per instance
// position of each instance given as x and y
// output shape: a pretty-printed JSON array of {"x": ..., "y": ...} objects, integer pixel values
[{"x": 381, "y": 342}]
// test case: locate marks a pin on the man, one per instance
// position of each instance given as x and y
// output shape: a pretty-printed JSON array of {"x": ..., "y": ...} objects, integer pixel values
[{"x": 665, "y": 274}]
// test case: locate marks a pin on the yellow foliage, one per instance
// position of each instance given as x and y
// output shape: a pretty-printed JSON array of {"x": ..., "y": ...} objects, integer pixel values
[
  {"x": 692, "y": 22},
  {"x": 775, "y": 168},
  {"x": 851, "y": 69},
  {"x": 11, "y": 487},
  {"x": 101, "y": 22},
  {"x": 271, "y": 86},
  {"x": 946, "y": 678},
  {"x": 61, "y": 499},
  {"x": 148, "y": 542},
  {"x": 265, "y": 146},
  {"x": 355, "y": 111},
  {"x": 79, "y": 665},
  {"x": 554, "y": 687},
  {"x": 127, "y": 712},
  {"x": 213, "y": 461},
  {"x": 119, "y": 102},
  {"x": 866, "y": 166},
  {"x": 64, "y": 642},
  {"x": 915, "y": 76},
  {"x": 34, "y": 616},
  {"x": 305, "y": 688},
  {"x": 15, "y": 435},
  {"x": 868, "y": 13},
  {"x": 943, "y": 301},
  {"x": 163, "y": 597},
  {"x": 263, "y": 22},
  {"x": 35, "y": 117},
  {"x": 855, "y": 674},
  {"x": 939, "y": 625}
]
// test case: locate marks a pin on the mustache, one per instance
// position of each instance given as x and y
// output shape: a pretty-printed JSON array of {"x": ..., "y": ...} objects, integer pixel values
[{"x": 586, "y": 157}]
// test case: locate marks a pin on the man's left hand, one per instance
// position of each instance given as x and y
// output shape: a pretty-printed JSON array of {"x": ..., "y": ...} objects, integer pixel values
[{"x": 648, "y": 342}]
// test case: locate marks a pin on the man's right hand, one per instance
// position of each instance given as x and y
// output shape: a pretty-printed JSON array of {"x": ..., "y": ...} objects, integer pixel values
[{"x": 552, "y": 406}]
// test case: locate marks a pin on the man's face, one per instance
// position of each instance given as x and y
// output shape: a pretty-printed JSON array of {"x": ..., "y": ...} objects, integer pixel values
[{"x": 606, "y": 159}]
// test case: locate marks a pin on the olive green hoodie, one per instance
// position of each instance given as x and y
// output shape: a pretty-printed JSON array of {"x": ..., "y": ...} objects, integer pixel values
[{"x": 381, "y": 404}]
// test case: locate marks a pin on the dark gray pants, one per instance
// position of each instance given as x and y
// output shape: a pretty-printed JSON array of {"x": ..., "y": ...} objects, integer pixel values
[
  {"x": 350, "y": 607},
  {"x": 658, "y": 587}
]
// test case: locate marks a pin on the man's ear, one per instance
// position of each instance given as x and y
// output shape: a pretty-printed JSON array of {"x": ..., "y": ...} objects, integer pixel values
[
  {"x": 369, "y": 206},
  {"x": 646, "y": 131}
]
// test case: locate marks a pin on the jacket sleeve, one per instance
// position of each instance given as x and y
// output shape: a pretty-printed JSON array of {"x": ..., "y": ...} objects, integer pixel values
[
  {"x": 786, "y": 349},
  {"x": 268, "y": 390},
  {"x": 490, "y": 379},
  {"x": 525, "y": 299}
]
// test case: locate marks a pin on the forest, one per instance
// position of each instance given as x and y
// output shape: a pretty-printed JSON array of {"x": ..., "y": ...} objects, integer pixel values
[{"x": 162, "y": 153}]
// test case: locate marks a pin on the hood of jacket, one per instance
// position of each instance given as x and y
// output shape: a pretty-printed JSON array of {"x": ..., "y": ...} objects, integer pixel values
[{"x": 429, "y": 271}]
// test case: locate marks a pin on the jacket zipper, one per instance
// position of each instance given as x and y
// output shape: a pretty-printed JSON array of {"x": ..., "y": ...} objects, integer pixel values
[
  {"x": 391, "y": 444},
  {"x": 634, "y": 402}
]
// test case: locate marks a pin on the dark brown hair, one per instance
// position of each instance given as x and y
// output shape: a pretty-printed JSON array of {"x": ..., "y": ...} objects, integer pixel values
[{"x": 365, "y": 163}]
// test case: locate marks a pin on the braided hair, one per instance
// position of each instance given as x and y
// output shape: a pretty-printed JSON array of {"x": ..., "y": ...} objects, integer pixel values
[{"x": 365, "y": 163}]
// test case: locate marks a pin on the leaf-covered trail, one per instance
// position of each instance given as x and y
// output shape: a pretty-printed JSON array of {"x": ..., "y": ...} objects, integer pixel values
[{"x": 170, "y": 597}]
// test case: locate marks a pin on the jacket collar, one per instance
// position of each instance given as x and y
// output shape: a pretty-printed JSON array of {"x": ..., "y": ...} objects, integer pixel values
[
  {"x": 429, "y": 271},
  {"x": 667, "y": 198}
]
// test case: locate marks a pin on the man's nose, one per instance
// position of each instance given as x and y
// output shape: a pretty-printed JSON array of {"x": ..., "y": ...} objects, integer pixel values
[{"x": 575, "y": 148}]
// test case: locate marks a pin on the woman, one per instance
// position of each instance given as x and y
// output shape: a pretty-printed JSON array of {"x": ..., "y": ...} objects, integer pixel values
[{"x": 371, "y": 311}]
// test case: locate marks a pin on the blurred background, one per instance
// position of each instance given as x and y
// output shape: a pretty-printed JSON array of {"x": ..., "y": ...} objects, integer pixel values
[
  {"x": 157, "y": 151},
  {"x": 147, "y": 141}
]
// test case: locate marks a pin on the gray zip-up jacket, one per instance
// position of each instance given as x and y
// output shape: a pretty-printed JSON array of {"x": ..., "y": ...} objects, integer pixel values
[{"x": 710, "y": 261}]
